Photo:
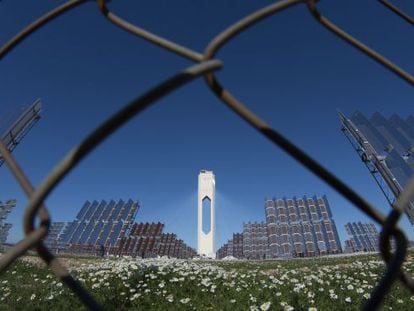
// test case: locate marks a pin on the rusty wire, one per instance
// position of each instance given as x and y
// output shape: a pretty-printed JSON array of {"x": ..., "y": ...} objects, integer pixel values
[
  {"x": 398, "y": 11},
  {"x": 358, "y": 44},
  {"x": 205, "y": 66},
  {"x": 49, "y": 16},
  {"x": 150, "y": 37}
]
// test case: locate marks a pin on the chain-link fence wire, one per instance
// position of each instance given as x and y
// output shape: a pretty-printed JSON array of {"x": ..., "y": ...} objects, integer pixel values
[
  {"x": 398, "y": 11},
  {"x": 205, "y": 66}
]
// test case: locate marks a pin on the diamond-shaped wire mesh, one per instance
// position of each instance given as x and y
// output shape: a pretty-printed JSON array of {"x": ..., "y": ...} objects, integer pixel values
[{"x": 205, "y": 65}]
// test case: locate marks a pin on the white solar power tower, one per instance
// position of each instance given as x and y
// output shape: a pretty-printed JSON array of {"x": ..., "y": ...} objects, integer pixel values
[{"x": 206, "y": 203}]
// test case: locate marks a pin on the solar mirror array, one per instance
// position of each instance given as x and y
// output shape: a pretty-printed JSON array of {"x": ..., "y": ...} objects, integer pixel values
[{"x": 386, "y": 148}]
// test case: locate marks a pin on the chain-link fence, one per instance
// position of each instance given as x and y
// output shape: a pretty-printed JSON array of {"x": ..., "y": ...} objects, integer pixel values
[{"x": 205, "y": 65}]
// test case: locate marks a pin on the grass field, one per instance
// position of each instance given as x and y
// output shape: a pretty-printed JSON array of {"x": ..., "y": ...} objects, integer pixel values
[{"x": 341, "y": 283}]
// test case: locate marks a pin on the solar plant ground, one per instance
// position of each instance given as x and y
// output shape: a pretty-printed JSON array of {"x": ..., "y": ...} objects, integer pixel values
[{"x": 127, "y": 283}]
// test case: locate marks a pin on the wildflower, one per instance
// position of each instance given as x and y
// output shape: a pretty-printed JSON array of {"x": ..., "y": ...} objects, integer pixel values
[
  {"x": 348, "y": 299},
  {"x": 33, "y": 296},
  {"x": 161, "y": 285},
  {"x": 312, "y": 309},
  {"x": 232, "y": 300},
  {"x": 265, "y": 306},
  {"x": 185, "y": 300},
  {"x": 334, "y": 296},
  {"x": 135, "y": 296}
]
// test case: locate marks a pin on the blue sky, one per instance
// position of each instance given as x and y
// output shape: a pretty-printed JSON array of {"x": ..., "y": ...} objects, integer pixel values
[{"x": 289, "y": 69}]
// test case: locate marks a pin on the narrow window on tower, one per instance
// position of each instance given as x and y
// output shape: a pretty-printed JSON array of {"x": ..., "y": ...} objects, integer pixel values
[{"x": 206, "y": 215}]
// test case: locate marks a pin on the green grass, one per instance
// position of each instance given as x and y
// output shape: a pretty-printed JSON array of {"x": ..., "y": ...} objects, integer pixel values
[{"x": 128, "y": 284}]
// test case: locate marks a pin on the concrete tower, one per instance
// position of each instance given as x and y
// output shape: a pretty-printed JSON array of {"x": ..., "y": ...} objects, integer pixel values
[{"x": 206, "y": 200}]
